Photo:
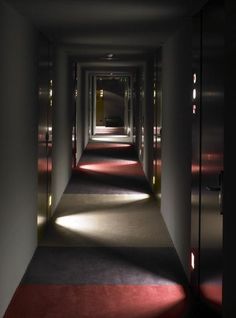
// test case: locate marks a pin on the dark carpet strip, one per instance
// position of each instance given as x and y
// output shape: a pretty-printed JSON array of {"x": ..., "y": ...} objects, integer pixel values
[
  {"x": 108, "y": 168},
  {"x": 103, "y": 265}
]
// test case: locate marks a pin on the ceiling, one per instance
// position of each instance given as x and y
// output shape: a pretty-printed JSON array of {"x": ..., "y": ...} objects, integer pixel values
[{"x": 96, "y": 27}]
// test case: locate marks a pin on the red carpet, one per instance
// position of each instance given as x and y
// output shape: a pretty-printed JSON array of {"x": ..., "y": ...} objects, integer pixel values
[{"x": 97, "y": 301}]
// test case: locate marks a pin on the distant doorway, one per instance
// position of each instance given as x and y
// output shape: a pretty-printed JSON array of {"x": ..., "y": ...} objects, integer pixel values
[{"x": 112, "y": 106}]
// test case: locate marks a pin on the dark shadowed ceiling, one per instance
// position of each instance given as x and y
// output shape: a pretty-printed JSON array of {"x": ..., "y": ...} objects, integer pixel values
[{"x": 120, "y": 26}]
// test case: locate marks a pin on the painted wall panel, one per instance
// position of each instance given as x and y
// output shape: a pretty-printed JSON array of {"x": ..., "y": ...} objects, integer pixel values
[
  {"x": 176, "y": 140},
  {"x": 18, "y": 144},
  {"x": 62, "y": 127}
]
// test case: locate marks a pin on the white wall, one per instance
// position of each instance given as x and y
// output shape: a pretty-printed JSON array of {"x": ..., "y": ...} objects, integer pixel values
[
  {"x": 18, "y": 144},
  {"x": 62, "y": 126},
  {"x": 176, "y": 140}
]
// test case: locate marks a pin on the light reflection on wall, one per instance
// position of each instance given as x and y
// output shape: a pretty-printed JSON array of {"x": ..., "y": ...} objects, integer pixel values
[
  {"x": 195, "y": 168},
  {"x": 212, "y": 291},
  {"x": 41, "y": 220},
  {"x": 157, "y": 163},
  {"x": 212, "y": 156}
]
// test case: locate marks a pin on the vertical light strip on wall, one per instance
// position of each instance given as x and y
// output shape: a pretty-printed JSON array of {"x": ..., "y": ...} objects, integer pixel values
[
  {"x": 50, "y": 200},
  {"x": 192, "y": 261},
  {"x": 50, "y": 93}
]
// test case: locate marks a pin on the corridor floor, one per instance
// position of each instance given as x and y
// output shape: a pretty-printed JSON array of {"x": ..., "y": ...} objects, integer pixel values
[{"x": 106, "y": 253}]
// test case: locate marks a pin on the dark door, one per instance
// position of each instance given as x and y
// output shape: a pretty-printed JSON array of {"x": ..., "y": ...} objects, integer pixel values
[
  {"x": 45, "y": 105},
  {"x": 207, "y": 165},
  {"x": 74, "y": 125},
  {"x": 157, "y": 102}
]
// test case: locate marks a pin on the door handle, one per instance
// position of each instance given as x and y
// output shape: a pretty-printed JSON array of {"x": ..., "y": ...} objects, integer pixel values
[{"x": 220, "y": 189}]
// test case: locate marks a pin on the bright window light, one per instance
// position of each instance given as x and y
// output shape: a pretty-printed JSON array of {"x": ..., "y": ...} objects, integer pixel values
[{"x": 194, "y": 93}]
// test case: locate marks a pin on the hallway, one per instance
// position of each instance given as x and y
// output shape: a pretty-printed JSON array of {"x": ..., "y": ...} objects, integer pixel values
[
  {"x": 113, "y": 174},
  {"x": 106, "y": 252}
]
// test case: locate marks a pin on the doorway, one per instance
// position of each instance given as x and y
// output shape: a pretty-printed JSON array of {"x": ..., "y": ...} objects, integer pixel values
[{"x": 111, "y": 117}]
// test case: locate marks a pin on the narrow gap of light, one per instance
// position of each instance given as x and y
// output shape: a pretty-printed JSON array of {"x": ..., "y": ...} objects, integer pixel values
[
  {"x": 194, "y": 93},
  {"x": 194, "y": 109},
  {"x": 50, "y": 92},
  {"x": 153, "y": 180},
  {"x": 51, "y": 102},
  {"x": 50, "y": 128},
  {"x": 192, "y": 261},
  {"x": 50, "y": 200},
  {"x": 101, "y": 93},
  {"x": 194, "y": 78}
]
